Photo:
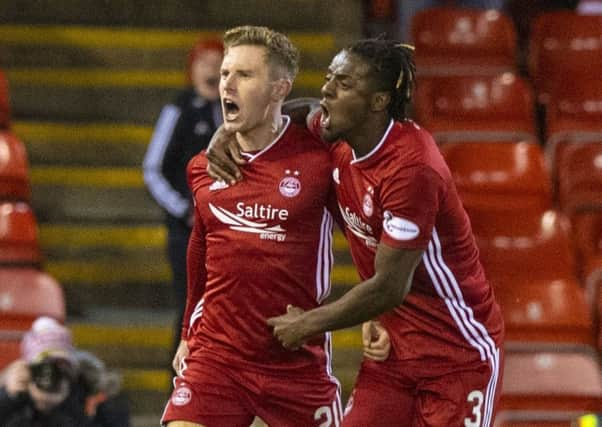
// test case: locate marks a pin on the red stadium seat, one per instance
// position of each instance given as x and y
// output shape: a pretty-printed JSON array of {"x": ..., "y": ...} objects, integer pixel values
[
  {"x": 534, "y": 246},
  {"x": 529, "y": 260},
  {"x": 10, "y": 349},
  {"x": 538, "y": 312},
  {"x": 451, "y": 41},
  {"x": 575, "y": 108},
  {"x": 19, "y": 243},
  {"x": 561, "y": 148},
  {"x": 564, "y": 45},
  {"x": 552, "y": 381},
  {"x": 588, "y": 238},
  {"x": 587, "y": 233},
  {"x": 25, "y": 294},
  {"x": 14, "y": 168},
  {"x": 487, "y": 107},
  {"x": 499, "y": 175},
  {"x": 579, "y": 177},
  {"x": 593, "y": 283},
  {"x": 4, "y": 103}
]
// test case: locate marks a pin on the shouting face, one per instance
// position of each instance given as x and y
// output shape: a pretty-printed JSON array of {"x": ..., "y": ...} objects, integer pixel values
[
  {"x": 346, "y": 97},
  {"x": 245, "y": 88}
]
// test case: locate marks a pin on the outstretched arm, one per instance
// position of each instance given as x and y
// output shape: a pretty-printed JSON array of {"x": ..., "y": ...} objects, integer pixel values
[{"x": 379, "y": 294}]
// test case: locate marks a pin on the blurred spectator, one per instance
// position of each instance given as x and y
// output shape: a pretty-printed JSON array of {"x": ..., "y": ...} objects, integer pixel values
[
  {"x": 183, "y": 129},
  {"x": 590, "y": 7},
  {"x": 407, "y": 9},
  {"x": 54, "y": 385}
]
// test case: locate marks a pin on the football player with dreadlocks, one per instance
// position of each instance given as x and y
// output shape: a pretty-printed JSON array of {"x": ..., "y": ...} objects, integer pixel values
[{"x": 413, "y": 246}]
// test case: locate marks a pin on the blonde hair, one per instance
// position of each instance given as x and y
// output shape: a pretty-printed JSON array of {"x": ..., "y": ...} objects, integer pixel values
[{"x": 280, "y": 52}]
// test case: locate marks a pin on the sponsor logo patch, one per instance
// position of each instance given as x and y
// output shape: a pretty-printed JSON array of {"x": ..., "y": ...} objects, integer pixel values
[
  {"x": 358, "y": 227},
  {"x": 181, "y": 396},
  {"x": 240, "y": 221},
  {"x": 399, "y": 228}
]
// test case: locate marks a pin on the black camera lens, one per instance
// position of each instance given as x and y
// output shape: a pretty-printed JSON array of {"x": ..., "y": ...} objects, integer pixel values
[{"x": 47, "y": 376}]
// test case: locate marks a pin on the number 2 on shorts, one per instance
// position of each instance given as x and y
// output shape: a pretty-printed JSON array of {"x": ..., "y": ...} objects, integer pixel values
[
  {"x": 324, "y": 413},
  {"x": 476, "y": 398}
]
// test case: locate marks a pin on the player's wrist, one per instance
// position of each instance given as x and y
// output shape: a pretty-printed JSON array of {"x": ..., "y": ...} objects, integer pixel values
[{"x": 309, "y": 325}]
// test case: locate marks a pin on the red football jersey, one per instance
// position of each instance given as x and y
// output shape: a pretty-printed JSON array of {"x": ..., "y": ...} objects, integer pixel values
[
  {"x": 258, "y": 246},
  {"x": 402, "y": 194}
]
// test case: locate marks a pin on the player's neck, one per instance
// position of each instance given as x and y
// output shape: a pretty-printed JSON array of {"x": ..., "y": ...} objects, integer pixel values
[
  {"x": 258, "y": 138},
  {"x": 364, "y": 138}
]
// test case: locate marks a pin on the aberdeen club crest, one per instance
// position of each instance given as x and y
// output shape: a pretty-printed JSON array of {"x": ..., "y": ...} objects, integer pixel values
[{"x": 290, "y": 186}]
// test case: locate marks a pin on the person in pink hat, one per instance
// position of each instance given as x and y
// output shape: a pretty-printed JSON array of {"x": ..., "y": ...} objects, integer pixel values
[{"x": 51, "y": 386}]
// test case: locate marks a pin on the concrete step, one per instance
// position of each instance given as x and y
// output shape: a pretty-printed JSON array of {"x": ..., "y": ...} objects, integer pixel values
[
  {"x": 123, "y": 96},
  {"x": 117, "y": 74},
  {"x": 60, "y": 240},
  {"x": 126, "y": 265},
  {"x": 137, "y": 282},
  {"x": 32, "y": 46},
  {"x": 111, "y": 254},
  {"x": 92, "y": 194},
  {"x": 297, "y": 14},
  {"x": 92, "y": 144},
  {"x": 119, "y": 271},
  {"x": 137, "y": 343}
]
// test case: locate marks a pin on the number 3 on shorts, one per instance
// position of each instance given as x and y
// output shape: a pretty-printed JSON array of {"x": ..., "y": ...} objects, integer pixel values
[{"x": 476, "y": 398}]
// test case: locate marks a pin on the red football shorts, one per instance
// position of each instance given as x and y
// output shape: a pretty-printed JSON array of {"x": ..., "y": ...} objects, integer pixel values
[
  {"x": 419, "y": 394},
  {"x": 219, "y": 395}
]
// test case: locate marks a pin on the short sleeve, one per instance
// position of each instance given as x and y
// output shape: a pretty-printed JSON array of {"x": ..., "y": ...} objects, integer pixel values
[
  {"x": 196, "y": 171},
  {"x": 410, "y": 200}
]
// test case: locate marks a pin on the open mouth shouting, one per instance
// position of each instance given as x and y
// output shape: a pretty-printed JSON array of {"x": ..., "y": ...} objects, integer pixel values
[
  {"x": 231, "y": 109},
  {"x": 325, "y": 118}
]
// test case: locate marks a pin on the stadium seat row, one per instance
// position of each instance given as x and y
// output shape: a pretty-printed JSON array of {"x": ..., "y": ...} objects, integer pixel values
[
  {"x": 526, "y": 155},
  {"x": 26, "y": 291}
]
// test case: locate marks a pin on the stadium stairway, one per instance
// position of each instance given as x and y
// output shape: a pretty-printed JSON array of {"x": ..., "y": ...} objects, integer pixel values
[{"x": 87, "y": 82}]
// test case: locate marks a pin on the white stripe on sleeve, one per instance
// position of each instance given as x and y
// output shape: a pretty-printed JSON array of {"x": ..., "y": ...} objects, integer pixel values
[{"x": 162, "y": 191}]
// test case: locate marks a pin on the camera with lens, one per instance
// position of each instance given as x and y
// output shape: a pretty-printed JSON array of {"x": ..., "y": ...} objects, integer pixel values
[{"x": 48, "y": 375}]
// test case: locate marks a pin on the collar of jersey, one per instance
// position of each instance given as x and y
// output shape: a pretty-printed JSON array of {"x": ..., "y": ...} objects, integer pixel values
[
  {"x": 376, "y": 148},
  {"x": 252, "y": 156}
]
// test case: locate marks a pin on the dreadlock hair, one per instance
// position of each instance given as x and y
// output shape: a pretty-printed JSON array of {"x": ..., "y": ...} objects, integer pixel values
[{"x": 392, "y": 68}]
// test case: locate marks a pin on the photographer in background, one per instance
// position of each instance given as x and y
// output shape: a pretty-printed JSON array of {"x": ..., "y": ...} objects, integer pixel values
[{"x": 54, "y": 385}]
